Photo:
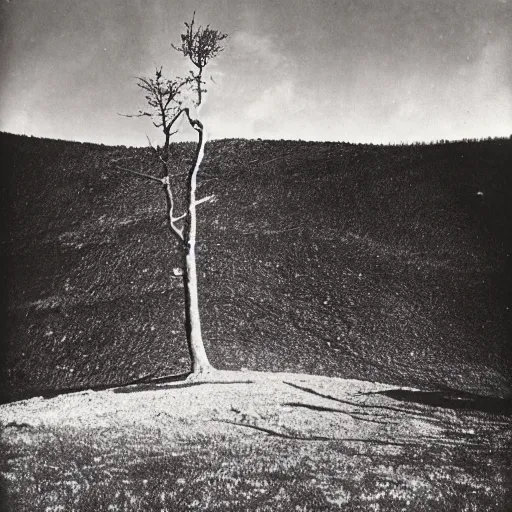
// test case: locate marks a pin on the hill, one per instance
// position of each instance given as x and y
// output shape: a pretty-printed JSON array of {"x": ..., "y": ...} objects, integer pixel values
[
  {"x": 382, "y": 263},
  {"x": 255, "y": 441}
]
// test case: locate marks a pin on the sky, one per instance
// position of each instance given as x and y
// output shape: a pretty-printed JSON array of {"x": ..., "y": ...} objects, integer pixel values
[{"x": 380, "y": 71}]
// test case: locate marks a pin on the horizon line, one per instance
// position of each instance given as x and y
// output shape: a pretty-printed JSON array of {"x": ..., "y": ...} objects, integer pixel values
[{"x": 259, "y": 139}]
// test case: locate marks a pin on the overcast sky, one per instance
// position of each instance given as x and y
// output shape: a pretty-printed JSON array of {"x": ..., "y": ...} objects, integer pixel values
[{"x": 343, "y": 70}]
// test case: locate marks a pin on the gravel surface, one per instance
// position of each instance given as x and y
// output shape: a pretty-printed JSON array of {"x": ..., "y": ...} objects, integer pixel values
[{"x": 334, "y": 442}]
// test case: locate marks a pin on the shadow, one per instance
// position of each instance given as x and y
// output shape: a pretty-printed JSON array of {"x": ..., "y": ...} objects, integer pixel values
[
  {"x": 296, "y": 437},
  {"x": 358, "y": 416},
  {"x": 47, "y": 394},
  {"x": 346, "y": 402},
  {"x": 453, "y": 400},
  {"x": 154, "y": 386}
]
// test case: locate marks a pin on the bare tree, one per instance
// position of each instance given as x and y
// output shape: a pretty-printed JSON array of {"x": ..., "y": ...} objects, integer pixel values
[
  {"x": 200, "y": 45},
  {"x": 165, "y": 107},
  {"x": 164, "y": 101}
]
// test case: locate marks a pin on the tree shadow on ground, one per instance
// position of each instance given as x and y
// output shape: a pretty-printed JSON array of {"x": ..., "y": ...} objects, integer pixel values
[
  {"x": 160, "y": 385},
  {"x": 135, "y": 385},
  {"x": 452, "y": 400}
]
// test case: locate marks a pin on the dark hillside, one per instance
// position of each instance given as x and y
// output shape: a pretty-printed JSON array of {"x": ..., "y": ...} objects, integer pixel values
[{"x": 389, "y": 264}]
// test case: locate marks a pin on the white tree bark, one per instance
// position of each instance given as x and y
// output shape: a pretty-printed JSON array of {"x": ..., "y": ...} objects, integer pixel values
[
  {"x": 200, "y": 363},
  {"x": 187, "y": 238}
]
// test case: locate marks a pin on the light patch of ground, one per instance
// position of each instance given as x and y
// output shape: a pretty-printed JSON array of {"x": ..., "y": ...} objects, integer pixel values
[{"x": 249, "y": 440}]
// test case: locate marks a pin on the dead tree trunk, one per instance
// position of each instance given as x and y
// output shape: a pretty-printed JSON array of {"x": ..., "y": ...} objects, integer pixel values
[
  {"x": 200, "y": 363},
  {"x": 186, "y": 236},
  {"x": 164, "y": 98}
]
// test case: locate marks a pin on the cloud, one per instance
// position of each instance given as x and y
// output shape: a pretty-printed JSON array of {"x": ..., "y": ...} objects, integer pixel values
[
  {"x": 278, "y": 98},
  {"x": 326, "y": 70},
  {"x": 474, "y": 101},
  {"x": 259, "y": 49},
  {"x": 471, "y": 98},
  {"x": 274, "y": 113}
]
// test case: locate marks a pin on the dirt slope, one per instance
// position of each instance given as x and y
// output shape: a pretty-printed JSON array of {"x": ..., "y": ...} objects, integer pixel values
[
  {"x": 254, "y": 441},
  {"x": 389, "y": 264}
]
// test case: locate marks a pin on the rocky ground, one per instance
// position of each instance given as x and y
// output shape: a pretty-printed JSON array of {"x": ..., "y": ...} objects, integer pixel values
[{"x": 256, "y": 441}]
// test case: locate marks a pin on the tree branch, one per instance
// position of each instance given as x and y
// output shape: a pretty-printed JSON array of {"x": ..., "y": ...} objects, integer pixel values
[
  {"x": 204, "y": 199},
  {"x": 180, "y": 217},
  {"x": 140, "y": 114},
  {"x": 195, "y": 123},
  {"x": 170, "y": 205},
  {"x": 164, "y": 163},
  {"x": 140, "y": 174}
]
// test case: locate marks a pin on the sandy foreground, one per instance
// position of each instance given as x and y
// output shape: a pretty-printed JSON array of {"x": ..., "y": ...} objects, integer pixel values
[{"x": 255, "y": 441}]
